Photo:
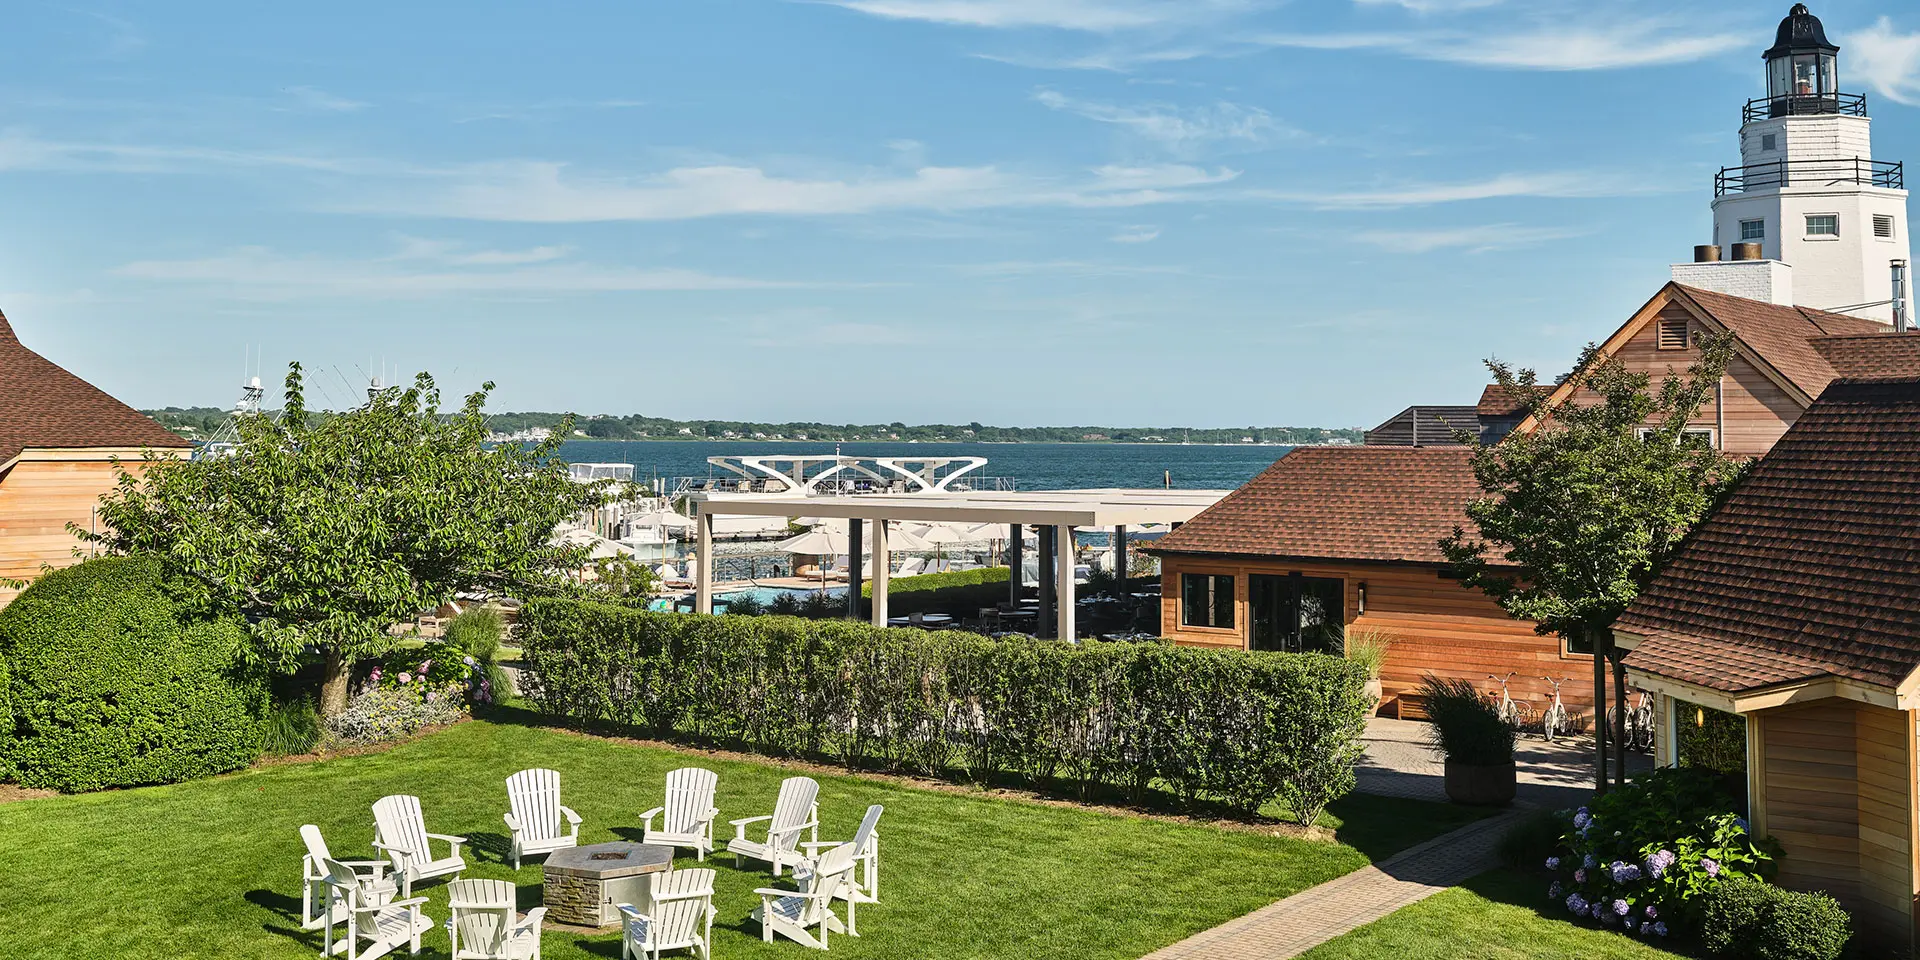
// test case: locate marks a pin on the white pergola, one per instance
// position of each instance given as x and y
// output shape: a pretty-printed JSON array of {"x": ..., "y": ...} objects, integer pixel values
[{"x": 1062, "y": 510}]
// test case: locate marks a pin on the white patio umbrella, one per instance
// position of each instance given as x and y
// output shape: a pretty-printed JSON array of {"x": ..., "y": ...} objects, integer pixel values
[
  {"x": 598, "y": 547},
  {"x": 662, "y": 518}
]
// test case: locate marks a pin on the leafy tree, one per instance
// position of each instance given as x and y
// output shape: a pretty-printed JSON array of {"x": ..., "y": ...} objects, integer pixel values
[
  {"x": 1582, "y": 512},
  {"x": 322, "y": 532}
]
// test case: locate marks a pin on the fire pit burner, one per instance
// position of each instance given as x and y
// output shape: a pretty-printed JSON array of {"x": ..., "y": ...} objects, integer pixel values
[{"x": 610, "y": 855}]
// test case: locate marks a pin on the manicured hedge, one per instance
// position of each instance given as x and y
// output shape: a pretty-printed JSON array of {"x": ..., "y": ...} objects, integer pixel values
[
  {"x": 1230, "y": 727},
  {"x": 1745, "y": 917},
  {"x": 112, "y": 685},
  {"x": 961, "y": 593}
]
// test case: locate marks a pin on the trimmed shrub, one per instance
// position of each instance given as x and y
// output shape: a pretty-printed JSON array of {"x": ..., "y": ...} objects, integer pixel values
[
  {"x": 960, "y": 593},
  {"x": 385, "y": 713},
  {"x": 1235, "y": 728},
  {"x": 1746, "y": 917},
  {"x": 114, "y": 685}
]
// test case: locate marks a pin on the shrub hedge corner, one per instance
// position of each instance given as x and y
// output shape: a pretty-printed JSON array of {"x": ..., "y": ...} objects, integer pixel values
[
  {"x": 112, "y": 685},
  {"x": 1231, "y": 727}
]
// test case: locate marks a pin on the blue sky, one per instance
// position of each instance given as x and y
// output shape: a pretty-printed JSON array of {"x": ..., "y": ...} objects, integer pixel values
[{"x": 1207, "y": 212}]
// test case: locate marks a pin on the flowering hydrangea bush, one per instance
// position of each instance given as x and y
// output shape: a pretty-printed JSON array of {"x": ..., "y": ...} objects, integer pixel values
[
  {"x": 1643, "y": 854},
  {"x": 434, "y": 672}
]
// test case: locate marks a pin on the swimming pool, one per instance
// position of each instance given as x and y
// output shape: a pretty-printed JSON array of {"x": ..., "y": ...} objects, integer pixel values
[{"x": 766, "y": 595}]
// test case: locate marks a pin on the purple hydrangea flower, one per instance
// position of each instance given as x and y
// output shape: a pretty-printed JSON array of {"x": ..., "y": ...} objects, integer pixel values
[
  {"x": 1601, "y": 913},
  {"x": 1621, "y": 908},
  {"x": 1580, "y": 875},
  {"x": 1710, "y": 865},
  {"x": 1553, "y": 892},
  {"x": 1589, "y": 862},
  {"x": 1660, "y": 928},
  {"x": 1577, "y": 904},
  {"x": 1581, "y": 819},
  {"x": 1623, "y": 872},
  {"x": 1658, "y": 863},
  {"x": 1651, "y": 912},
  {"x": 1553, "y": 863},
  {"x": 1741, "y": 822},
  {"x": 406, "y": 678},
  {"x": 1645, "y": 928}
]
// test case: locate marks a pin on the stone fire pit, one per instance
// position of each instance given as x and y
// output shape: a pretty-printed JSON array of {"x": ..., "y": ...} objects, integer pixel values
[{"x": 583, "y": 883}]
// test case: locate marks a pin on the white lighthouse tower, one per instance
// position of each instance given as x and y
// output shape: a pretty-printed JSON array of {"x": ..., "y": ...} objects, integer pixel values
[{"x": 1808, "y": 189}]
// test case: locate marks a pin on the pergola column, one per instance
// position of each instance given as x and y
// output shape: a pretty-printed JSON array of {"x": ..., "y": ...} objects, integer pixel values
[
  {"x": 1120, "y": 558},
  {"x": 1043, "y": 621},
  {"x": 855, "y": 533},
  {"x": 1016, "y": 562},
  {"x": 882, "y": 570},
  {"x": 1063, "y": 577},
  {"x": 703, "y": 563}
]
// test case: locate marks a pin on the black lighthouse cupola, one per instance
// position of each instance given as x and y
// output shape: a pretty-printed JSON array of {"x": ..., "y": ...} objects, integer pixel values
[{"x": 1802, "y": 67}]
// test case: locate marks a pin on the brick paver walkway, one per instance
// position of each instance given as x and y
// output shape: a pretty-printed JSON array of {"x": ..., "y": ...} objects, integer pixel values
[{"x": 1313, "y": 916}]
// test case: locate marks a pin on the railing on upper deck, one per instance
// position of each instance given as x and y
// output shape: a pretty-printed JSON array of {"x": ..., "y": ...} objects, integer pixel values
[
  {"x": 1809, "y": 173},
  {"x": 1810, "y": 105}
]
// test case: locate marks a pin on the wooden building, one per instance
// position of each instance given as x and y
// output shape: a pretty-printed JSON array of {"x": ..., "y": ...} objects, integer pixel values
[
  {"x": 1365, "y": 522},
  {"x": 1425, "y": 425},
  {"x": 1797, "y": 606},
  {"x": 58, "y": 437}
]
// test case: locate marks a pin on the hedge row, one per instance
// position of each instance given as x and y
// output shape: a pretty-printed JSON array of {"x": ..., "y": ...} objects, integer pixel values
[
  {"x": 112, "y": 685},
  {"x": 961, "y": 593},
  {"x": 1234, "y": 728}
]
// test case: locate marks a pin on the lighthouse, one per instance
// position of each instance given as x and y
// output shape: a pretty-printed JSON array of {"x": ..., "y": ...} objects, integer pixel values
[{"x": 1808, "y": 189}]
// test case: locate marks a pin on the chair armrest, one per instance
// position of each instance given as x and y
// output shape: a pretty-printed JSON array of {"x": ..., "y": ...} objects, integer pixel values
[
  {"x": 396, "y": 851},
  {"x": 709, "y": 816},
  {"x": 796, "y": 828},
  {"x": 377, "y": 866},
  {"x": 513, "y": 824},
  {"x": 532, "y": 920},
  {"x": 631, "y": 912},
  {"x": 742, "y": 823},
  {"x": 813, "y": 845},
  {"x": 768, "y": 892},
  {"x": 409, "y": 902},
  {"x": 650, "y": 814},
  {"x": 448, "y": 838}
]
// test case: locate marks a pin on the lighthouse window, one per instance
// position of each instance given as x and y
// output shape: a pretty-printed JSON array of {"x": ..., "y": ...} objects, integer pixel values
[
  {"x": 1823, "y": 225},
  {"x": 1753, "y": 230},
  {"x": 1883, "y": 227},
  {"x": 1769, "y": 141}
]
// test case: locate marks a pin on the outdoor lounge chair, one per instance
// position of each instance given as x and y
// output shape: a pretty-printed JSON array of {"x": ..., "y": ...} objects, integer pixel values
[
  {"x": 794, "y": 914},
  {"x": 483, "y": 925},
  {"x": 912, "y": 567},
  {"x": 379, "y": 888},
  {"x": 380, "y": 926},
  {"x": 863, "y": 882},
  {"x": 400, "y": 831},
  {"x": 682, "y": 917},
  {"x": 533, "y": 799},
  {"x": 686, "y": 819},
  {"x": 793, "y": 812}
]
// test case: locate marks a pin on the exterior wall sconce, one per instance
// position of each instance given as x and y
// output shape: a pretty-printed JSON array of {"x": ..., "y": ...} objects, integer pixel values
[{"x": 1363, "y": 596}]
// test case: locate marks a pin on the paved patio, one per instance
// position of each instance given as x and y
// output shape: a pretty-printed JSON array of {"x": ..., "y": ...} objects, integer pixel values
[{"x": 1400, "y": 762}]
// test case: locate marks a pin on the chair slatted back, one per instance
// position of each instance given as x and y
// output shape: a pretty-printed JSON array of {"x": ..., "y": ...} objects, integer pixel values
[
  {"x": 534, "y": 797},
  {"x": 316, "y": 844},
  {"x": 869, "y": 825},
  {"x": 834, "y": 873},
  {"x": 681, "y": 920},
  {"x": 689, "y": 796},
  {"x": 795, "y": 807},
  {"x": 483, "y": 915},
  {"x": 345, "y": 887},
  {"x": 397, "y": 822}
]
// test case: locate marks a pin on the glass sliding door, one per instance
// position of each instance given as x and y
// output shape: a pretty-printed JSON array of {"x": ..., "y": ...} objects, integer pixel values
[{"x": 1295, "y": 613}]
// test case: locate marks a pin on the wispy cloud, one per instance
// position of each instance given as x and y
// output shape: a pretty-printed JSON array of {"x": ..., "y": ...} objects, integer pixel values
[
  {"x": 23, "y": 151},
  {"x": 258, "y": 273},
  {"x": 545, "y": 192},
  {"x": 452, "y": 253},
  {"x": 1560, "y": 47},
  {"x": 1180, "y": 129},
  {"x": 1094, "y": 16},
  {"x": 1562, "y": 184},
  {"x": 1474, "y": 239},
  {"x": 313, "y": 98},
  {"x": 1136, "y": 234},
  {"x": 1889, "y": 61},
  {"x": 1431, "y": 6}
]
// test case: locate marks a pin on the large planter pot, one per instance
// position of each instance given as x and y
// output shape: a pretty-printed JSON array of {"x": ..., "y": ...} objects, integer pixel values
[
  {"x": 1481, "y": 786},
  {"x": 1374, "y": 693}
]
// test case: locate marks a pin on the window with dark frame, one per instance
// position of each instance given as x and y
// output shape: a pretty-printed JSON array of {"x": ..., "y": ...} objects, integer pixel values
[{"x": 1206, "y": 600}]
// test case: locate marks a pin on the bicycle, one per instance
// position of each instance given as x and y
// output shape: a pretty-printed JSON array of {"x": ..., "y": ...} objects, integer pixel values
[
  {"x": 1555, "y": 719},
  {"x": 1639, "y": 734},
  {"x": 1513, "y": 713}
]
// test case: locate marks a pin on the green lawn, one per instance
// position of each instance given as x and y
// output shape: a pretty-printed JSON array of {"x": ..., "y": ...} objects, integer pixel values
[
  {"x": 211, "y": 868},
  {"x": 1500, "y": 915}
]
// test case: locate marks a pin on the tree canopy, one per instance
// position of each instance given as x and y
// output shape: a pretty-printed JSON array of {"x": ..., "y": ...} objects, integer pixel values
[{"x": 323, "y": 532}]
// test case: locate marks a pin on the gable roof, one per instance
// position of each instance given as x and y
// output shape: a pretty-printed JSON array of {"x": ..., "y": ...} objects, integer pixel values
[
  {"x": 1425, "y": 424},
  {"x": 1387, "y": 503},
  {"x": 1882, "y": 356},
  {"x": 43, "y": 405},
  {"x": 1497, "y": 401},
  {"x": 1812, "y": 567},
  {"x": 1776, "y": 338}
]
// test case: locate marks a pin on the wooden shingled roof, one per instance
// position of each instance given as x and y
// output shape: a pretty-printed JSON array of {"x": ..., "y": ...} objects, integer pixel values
[
  {"x": 1384, "y": 503},
  {"x": 42, "y": 405},
  {"x": 1812, "y": 568}
]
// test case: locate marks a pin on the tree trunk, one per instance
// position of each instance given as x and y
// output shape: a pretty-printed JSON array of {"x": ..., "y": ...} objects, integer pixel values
[
  {"x": 333, "y": 685},
  {"x": 1599, "y": 709},
  {"x": 1619, "y": 713}
]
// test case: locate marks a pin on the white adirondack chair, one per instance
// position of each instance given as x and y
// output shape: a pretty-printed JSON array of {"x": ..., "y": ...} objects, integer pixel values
[
  {"x": 863, "y": 884},
  {"x": 534, "y": 797},
  {"x": 378, "y": 887},
  {"x": 794, "y": 812},
  {"x": 793, "y": 914},
  {"x": 373, "y": 929},
  {"x": 400, "y": 831},
  {"x": 687, "y": 817},
  {"x": 682, "y": 917},
  {"x": 482, "y": 924}
]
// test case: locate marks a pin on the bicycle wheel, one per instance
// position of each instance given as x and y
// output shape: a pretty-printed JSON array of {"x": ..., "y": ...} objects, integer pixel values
[
  {"x": 1550, "y": 724},
  {"x": 1522, "y": 716}
]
